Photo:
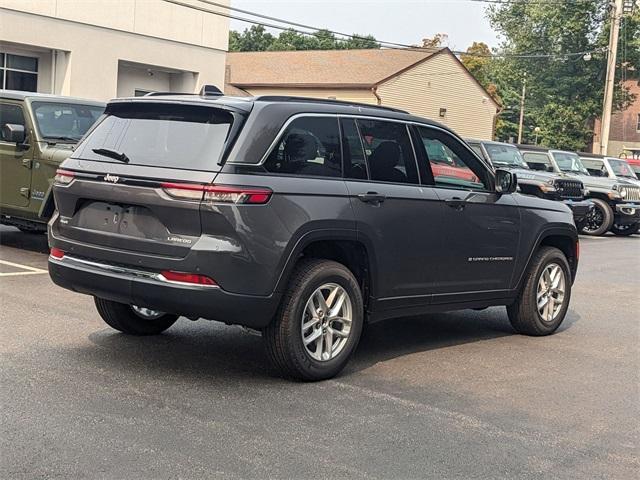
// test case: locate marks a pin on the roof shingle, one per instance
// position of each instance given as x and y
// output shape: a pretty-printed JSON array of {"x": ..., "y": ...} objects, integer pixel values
[{"x": 321, "y": 68}]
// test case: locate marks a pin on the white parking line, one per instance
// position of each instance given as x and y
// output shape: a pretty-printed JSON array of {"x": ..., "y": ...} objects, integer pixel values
[{"x": 29, "y": 270}]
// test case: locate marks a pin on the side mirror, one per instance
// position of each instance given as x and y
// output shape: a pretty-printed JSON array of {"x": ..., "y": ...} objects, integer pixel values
[
  {"x": 550, "y": 168},
  {"x": 506, "y": 181},
  {"x": 13, "y": 133}
]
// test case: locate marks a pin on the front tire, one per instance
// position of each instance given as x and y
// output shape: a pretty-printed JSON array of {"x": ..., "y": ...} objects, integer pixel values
[
  {"x": 544, "y": 298},
  {"x": 319, "y": 322},
  {"x": 133, "y": 320},
  {"x": 599, "y": 220},
  {"x": 625, "y": 230}
]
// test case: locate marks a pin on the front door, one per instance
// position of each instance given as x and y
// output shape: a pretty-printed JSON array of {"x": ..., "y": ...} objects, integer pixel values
[
  {"x": 15, "y": 160},
  {"x": 396, "y": 218},
  {"x": 480, "y": 227}
]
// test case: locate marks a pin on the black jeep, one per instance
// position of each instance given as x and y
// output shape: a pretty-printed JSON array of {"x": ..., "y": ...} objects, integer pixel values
[
  {"x": 544, "y": 184},
  {"x": 304, "y": 219}
]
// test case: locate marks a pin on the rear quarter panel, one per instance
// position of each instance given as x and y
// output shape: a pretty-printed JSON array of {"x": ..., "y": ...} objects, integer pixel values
[{"x": 261, "y": 240}]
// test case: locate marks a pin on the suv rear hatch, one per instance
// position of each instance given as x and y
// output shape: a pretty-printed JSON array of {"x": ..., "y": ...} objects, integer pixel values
[{"x": 136, "y": 181}]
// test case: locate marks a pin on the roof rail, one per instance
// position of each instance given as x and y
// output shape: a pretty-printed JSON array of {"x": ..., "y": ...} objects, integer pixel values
[
  {"x": 160, "y": 94},
  {"x": 205, "y": 91},
  {"x": 325, "y": 101}
]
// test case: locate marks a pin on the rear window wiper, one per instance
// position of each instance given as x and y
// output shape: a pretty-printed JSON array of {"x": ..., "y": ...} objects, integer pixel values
[{"x": 107, "y": 152}]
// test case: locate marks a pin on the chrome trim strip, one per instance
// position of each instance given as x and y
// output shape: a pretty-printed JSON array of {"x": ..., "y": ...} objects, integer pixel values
[
  {"x": 338, "y": 116},
  {"x": 124, "y": 270}
]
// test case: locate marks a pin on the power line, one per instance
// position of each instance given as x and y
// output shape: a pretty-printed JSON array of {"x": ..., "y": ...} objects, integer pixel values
[{"x": 383, "y": 43}]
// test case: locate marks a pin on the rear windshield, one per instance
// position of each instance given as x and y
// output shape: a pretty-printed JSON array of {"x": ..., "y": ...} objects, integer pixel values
[{"x": 160, "y": 135}]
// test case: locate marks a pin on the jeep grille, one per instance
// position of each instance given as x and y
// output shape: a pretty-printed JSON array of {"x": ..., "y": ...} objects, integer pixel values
[
  {"x": 633, "y": 193},
  {"x": 569, "y": 188}
]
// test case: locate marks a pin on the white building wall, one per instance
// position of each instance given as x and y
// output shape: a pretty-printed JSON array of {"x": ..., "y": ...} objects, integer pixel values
[{"x": 81, "y": 44}]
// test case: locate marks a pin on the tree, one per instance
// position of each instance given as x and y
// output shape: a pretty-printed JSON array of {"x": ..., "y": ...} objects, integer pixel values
[
  {"x": 564, "y": 93},
  {"x": 257, "y": 39},
  {"x": 478, "y": 62}
]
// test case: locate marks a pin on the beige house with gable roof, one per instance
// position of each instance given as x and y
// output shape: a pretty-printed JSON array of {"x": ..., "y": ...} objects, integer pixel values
[{"x": 432, "y": 84}]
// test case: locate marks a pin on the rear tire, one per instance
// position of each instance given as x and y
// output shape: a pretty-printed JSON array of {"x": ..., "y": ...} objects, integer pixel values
[
  {"x": 336, "y": 338},
  {"x": 123, "y": 318},
  {"x": 625, "y": 230},
  {"x": 525, "y": 313},
  {"x": 599, "y": 220}
]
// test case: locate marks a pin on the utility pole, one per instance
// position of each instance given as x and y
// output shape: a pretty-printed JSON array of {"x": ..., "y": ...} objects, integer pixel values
[
  {"x": 524, "y": 92},
  {"x": 607, "y": 104}
]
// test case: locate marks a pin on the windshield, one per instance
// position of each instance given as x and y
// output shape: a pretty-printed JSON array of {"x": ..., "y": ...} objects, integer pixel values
[
  {"x": 160, "y": 135},
  {"x": 621, "y": 168},
  {"x": 569, "y": 162},
  {"x": 505, "y": 155},
  {"x": 64, "y": 121}
]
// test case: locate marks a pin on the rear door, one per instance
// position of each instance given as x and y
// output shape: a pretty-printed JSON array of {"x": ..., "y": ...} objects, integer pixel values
[
  {"x": 396, "y": 217},
  {"x": 15, "y": 160},
  {"x": 137, "y": 180},
  {"x": 480, "y": 228}
]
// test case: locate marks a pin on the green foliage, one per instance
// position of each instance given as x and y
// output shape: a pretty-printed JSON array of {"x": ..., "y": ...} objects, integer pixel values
[
  {"x": 257, "y": 39},
  {"x": 564, "y": 94}
]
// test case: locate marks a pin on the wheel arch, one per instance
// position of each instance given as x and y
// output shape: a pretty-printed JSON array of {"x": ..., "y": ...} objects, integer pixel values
[
  {"x": 342, "y": 246},
  {"x": 564, "y": 239}
]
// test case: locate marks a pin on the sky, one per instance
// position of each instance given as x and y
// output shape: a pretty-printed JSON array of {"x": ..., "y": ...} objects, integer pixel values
[{"x": 401, "y": 21}]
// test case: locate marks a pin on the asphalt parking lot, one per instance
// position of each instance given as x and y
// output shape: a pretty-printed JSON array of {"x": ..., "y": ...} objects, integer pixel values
[{"x": 445, "y": 396}]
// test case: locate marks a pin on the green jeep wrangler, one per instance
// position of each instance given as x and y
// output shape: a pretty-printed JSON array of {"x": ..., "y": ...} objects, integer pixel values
[{"x": 37, "y": 132}]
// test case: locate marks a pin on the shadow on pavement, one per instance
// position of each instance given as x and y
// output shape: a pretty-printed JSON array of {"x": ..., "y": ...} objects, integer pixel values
[
  {"x": 33, "y": 242},
  {"x": 214, "y": 352}
]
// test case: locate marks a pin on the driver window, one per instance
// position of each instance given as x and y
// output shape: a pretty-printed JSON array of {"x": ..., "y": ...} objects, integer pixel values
[
  {"x": 452, "y": 165},
  {"x": 309, "y": 146},
  {"x": 10, "y": 114}
]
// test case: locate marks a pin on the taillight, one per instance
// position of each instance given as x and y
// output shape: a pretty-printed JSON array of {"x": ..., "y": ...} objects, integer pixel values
[
  {"x": 218, "y": 193},
  {"x": 227, "y": 194},
  {"x": 56, "y": 253},
  {"x": 192, "y": 278},
  {"x": 64, "y": 177}
]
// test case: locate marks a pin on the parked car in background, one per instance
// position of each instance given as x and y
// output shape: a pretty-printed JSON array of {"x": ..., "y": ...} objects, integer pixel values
[
  {"x": 632, "y": 156},
  {"x": 609, "y": 167},
  {"x": 444, "y": 162},
  {"x": 38, "y": 132},
  {"x": 616, "y": 202},
  {"x": 550, "y": 185},
  {"x": 302, "y": 218}
]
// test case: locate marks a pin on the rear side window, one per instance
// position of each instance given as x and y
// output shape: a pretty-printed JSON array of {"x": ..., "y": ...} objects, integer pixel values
[
  {"x": 161, "y": 135},
  {"x": 355, "y": 162},
  {"x": 309, "y": 146},
  {"x": 388, "y": 151}
]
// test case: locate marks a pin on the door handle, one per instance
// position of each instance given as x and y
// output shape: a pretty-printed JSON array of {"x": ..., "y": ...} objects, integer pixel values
[
  {"x": 372, "y": 197},
  {"x": 456, "y": 203}
]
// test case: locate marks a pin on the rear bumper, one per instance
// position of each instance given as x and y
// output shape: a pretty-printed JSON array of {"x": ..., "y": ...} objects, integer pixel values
[
  {"x": 627, "y": 213},
  {"x": 580, "y": 209},
  {"x": 148, "y": 289}
]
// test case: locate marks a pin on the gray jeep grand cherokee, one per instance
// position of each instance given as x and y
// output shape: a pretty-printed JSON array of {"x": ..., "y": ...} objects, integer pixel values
[{"x": 302, "y": 218}]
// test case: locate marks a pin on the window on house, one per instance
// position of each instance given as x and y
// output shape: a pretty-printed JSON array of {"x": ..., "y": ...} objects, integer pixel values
[
  {"x": 638, "y": 123},
  {"x": 18, "y": 72}
]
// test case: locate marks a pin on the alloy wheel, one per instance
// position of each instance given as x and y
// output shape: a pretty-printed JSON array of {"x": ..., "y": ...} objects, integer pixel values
[
  {"x": 326, "y": 322},
  {"x": 594, "y": 220},
  {"x": 550, "y": 292}
]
